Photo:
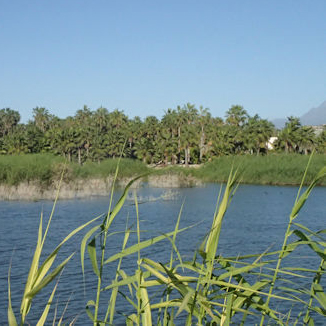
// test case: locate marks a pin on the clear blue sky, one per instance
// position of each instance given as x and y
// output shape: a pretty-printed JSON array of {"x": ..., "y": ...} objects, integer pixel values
[{"x": 144, "y": 57}]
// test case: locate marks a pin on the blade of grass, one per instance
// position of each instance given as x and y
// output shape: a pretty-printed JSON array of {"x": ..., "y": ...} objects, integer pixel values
[
  {"x": 45, "y": 313},
  {"x": 11, "y": 316},
  {"x": 91, "y": 248}
]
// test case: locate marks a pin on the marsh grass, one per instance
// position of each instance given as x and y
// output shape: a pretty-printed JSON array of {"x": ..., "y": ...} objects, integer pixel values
[
  {"x": 209, "y": 289},
  {"x": 127, "y": 168},
  {"x": 277, "y": 169},
  {"x": 15, "y": 169},
  {"x": 46, "y": 168}
]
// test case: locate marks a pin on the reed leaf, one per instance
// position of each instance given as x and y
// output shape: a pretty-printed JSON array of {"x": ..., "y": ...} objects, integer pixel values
[
  {"x": 312, "y": 244},
  {"x": 45, "y": 267},
  {"x": 91, "y": 248},
  {"x": 48, "y": 278},
  {"x": 126, "y": 281},
  {"x": 316, "y": 234},
  {"x": 226, "y": 318},
  {"x": 45, "y": 313},
  {"x": 240, "y": 287},
  {"x": 26, "y": 302},
  {"x": 125, "y": 276},
  {"x": 212, "y": 241},
  {"x": 84, "y": 243},
  {"x": 184, "y": 303},
  {"x": 122, "y": 199},
  {"x": 111, "y": 307},
  {"x": 143, "y": 244},
  {"x": 11, "y": 316},
  {"x": 241, "y": 270},
  {"x": 146, "y": 314},
  {"x": 302, "y": 199}
]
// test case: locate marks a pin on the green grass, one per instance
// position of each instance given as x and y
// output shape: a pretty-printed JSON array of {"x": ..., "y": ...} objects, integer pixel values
[
  {"x": 127, "y": 168},
  {"x": 29, "y": 167},
  {"x": 45, "y": 168},
  {"x": 274, "y": 169}
]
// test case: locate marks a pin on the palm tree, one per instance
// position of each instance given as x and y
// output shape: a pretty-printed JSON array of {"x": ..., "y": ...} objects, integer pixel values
[
  {"x": 289, "y": 135},
  {"x": 101, "y": 118},
  {"x": 41, "y": 118},
  {"x": 257, "y": 133},
  {"x": 9, "y": 119},
  {"x": 204, "y": 121},
  {"x": 84, "y": 124},
  {"x": 169, "y": 136},
  {"x": 189, "y": 133},
  {"x": 306, "y": 139},
  {"x": 236, "y": 116},
  {"x": 321, "y": 141},
  {"x": 16, "y": 143}
]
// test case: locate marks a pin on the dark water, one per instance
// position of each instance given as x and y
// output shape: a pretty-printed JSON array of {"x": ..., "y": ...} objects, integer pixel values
[{"x": 255, "y": 221}]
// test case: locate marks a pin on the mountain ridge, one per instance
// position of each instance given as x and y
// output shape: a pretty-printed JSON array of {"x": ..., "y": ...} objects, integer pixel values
[{"x": 313, "y": 117}]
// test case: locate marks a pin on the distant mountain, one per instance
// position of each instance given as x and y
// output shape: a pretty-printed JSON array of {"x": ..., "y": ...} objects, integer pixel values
[
  {"x": 279, "y": 123},
  {"x": 314, "y": 117}
]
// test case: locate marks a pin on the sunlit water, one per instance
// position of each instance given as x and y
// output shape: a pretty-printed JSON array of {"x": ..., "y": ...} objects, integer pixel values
[{"x": 255, "y": 221}]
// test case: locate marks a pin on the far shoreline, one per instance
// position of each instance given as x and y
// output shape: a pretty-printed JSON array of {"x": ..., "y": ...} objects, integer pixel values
[
  {"x": 35, "y": 176},
  {"x": 99, "y": 187}
]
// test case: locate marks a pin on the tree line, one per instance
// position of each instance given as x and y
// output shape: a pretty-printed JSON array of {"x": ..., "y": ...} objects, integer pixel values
[{"x": 185, "y": 135}]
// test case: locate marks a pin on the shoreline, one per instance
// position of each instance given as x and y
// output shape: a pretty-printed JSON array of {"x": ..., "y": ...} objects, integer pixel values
[
  {"x": 92, "y": 187},
  {"x": 85, "y": 188}
]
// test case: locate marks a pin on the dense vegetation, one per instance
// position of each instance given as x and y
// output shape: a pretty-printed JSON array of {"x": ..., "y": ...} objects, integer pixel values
[
  {"x": 46, "y": 168},
  {"x": 277, "y": 169},
  {"x": 184, "y": 135}
]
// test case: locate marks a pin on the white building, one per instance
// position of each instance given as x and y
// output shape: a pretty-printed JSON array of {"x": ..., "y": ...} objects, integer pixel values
[{"x": 270, "y": 143}]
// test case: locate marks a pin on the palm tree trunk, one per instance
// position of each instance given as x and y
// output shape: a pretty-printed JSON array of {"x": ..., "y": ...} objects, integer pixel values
[
  {"x": 187, "y": 155},
  {"x": 179, "y": 144},
  {"x": 201, "y": 144},
  {"x": 79, "y": 156}
]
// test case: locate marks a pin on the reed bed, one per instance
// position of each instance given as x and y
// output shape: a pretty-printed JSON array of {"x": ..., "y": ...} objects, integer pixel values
[
  {"x": 46, "y": 168},
  {"x": 16, "y": 169},
  {"x": 207, "y": 290},
  {"x": 273, "y": 169},
  {"x": 127, "y": 167}
]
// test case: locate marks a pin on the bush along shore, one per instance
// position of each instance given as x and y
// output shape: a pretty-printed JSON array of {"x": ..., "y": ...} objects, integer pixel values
[
  {"x": 210, "y": 289},
  {"x": 34, "y": 176}
]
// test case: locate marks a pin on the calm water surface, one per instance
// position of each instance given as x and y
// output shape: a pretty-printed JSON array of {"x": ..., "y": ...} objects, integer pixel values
[{"x": 255, "y": 221}]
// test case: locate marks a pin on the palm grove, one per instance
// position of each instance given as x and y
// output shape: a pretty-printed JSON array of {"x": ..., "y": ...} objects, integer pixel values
[{"x": 184, "y": 135}]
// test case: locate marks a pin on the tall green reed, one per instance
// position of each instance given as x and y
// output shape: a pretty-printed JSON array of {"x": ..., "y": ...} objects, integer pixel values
[{"x": 40, "y": 275}]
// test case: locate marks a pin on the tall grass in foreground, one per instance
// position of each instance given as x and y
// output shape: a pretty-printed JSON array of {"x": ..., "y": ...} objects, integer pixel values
[{"x": 208, "y": 290}]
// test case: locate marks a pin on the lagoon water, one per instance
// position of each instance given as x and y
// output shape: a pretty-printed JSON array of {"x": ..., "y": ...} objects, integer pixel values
[{"x": 255, "y": 221}]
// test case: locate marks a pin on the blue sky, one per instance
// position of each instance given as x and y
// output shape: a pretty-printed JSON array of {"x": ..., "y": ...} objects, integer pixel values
[{"x": 144, "y": 57}]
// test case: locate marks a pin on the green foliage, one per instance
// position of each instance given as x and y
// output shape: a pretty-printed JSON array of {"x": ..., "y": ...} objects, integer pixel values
[
  {"x": 185, "y": 135},
  {"x": 45, "y": 168},
  {"x": 128, "y": 168},
  {"x": 29, "y": 167},
  {"x": 278, "y": 169}
]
